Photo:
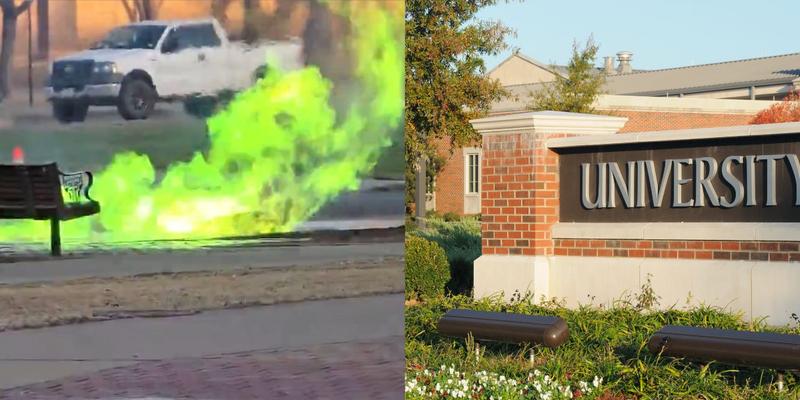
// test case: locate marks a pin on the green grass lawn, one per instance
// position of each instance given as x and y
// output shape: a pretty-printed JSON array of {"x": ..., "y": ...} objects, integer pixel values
[
  {"x": 168, "y": 139},
  {"x": 604, "y": 343}
]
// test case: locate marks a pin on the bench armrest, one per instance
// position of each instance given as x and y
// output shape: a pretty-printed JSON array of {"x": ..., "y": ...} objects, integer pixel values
[{"x": 75, "y": 186}]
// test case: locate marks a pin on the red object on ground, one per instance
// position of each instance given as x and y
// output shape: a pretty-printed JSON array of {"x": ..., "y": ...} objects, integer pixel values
[{"x": 17, "y": 155}]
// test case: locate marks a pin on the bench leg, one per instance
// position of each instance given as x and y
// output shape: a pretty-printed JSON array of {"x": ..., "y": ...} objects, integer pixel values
[
  {"x": 55, "y": 237},
  {"x": 532, "y": 358}
]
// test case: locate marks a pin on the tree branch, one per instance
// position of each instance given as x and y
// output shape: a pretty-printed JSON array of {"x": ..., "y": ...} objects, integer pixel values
[
  {"x": 24, "y": 6},
  {"x": 129, "y": 10}
]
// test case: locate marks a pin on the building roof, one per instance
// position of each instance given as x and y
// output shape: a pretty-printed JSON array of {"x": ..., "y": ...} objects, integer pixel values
[
  {"x": 560, "y": 69},
  {"x": 738, "y": 74},
  {"x": 762, "y": 71}
]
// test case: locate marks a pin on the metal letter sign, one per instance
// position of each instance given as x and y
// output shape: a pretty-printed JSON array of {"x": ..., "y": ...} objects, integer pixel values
[{"x": 747, "y": 179}]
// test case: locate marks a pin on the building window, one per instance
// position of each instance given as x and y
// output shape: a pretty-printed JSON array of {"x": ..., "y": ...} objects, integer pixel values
[{"x": 473, "y": 173}]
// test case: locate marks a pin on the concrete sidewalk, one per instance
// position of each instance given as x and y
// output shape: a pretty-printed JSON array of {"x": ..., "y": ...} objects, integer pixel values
[
  {"x": 219, "y": 259},
  {"x": 32, "y": 356}
]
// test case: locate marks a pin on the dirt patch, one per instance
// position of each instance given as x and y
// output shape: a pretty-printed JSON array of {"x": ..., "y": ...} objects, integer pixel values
[{"x": 39, "y": 305}]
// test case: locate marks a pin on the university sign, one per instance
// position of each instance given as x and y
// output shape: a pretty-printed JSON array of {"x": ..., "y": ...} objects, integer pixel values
[{"x": 740, "y": 179}]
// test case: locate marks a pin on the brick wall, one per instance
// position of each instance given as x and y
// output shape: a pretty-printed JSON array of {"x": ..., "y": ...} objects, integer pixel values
[
  {"x": 450, "y": 180},
  {"x": 644, "y": 121},
  {"x": 684, "y": 249},
  {"x": 519, "y": 203}
]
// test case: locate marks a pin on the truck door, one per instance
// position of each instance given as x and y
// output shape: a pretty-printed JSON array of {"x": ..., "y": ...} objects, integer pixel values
[
  {"x": 176, "y": 64},
  {"x": 211, "y": 58},
  {"x": 190, "y": 62}
]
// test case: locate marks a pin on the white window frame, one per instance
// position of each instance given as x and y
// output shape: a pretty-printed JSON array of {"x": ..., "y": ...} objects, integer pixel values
[{"x": 473, "y": 196}]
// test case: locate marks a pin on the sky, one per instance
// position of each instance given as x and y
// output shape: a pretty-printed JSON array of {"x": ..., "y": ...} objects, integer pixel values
[{"x": 659, "y": 33}]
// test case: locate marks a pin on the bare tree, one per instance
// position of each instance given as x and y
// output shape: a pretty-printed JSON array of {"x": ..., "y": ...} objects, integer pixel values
[
  {"x": 142, "y": 10},
  {"x": 10, "y": 12},
  {"x": 218, "y": 9},
  {"x": 277, "y": 25},
  {"x": 323, "y": 39},
  {"x": 43, "y": 25},
  {"x": 252, "y": 11}
]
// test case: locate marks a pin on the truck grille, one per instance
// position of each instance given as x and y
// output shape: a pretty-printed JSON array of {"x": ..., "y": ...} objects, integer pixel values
[{"x": 71, "y": 74}]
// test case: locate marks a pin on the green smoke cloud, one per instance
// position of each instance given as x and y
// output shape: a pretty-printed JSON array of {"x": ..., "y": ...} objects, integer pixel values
[{"x": 277, "y": 154}]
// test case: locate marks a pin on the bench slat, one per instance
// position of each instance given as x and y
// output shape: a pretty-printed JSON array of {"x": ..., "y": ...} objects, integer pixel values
[
  {"x": 35, "y": 192},
  {"x": 505, "y": 327},
  {"x": 762, "y": 349}
]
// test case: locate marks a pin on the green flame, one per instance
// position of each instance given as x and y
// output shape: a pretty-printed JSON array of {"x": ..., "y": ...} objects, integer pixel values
[{"x": 277, "y": 154}]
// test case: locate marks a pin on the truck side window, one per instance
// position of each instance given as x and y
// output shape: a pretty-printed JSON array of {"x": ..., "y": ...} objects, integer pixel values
[
  {"x": 176, "y": 40},
  {"x": 205, "y": 36}
]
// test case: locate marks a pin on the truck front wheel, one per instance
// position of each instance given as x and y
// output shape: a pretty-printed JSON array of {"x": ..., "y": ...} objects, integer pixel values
[
  {"x": 136, "y": 99},
  {"x": 66, "y": 111}
]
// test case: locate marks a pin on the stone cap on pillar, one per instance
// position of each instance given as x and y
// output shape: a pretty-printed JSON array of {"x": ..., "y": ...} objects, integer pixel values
[{"x": 550, "y": 122}]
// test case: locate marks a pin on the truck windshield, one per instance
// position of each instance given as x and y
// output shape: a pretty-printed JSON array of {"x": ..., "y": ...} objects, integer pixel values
[{"x": 132, "y": 37}]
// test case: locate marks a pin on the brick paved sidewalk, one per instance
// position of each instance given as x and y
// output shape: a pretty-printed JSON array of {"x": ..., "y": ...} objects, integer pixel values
[{"x": 363, "y": 370}]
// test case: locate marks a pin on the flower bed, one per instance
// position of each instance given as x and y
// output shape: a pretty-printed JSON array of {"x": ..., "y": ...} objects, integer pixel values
[
  {"x": 447, "y": 382},
  {"x": 607, "y": 346}
]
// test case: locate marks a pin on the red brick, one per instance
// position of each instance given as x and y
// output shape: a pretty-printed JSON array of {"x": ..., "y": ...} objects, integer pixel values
[
  {"x": 694, "y": 244},
  {"x": 703, "y": 255},
  {"x": 730, "y": 245},
  {"x": 722, "y": 255},
  {"x": 778, "y": 256},
  {"x": 788, "y": 247},
  {"x": 635, "y": 253},
  {"x": 768, "y": 246}
]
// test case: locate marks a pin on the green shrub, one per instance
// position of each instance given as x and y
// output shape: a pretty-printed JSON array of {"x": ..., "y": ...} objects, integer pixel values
[
  {"x": 461, "y": 241},
  {"x": 451, "y": 216},
  {"x": 427, "y": 271},
  {"x": 606, "y": 342}
]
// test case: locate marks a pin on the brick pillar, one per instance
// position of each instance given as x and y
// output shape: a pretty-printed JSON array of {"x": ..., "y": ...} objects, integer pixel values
[{"x": 520, "y": 195}]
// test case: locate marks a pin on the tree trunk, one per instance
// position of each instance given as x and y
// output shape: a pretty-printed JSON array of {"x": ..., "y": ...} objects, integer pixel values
[
  {"x": 218, "y": 9},
  {"x": 278, "y": 24},
  {"x": 251, "y": 9},
  {"x": 7, "y": 52},
  {"x": 149, "y": 10},
  {"x": 43, "y": 36},
  {"x": 323, "y": 42}
]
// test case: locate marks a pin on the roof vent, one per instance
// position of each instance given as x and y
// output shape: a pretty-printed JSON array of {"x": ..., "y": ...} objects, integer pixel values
[
  {"x": 608, "y": 65},
  {"x": 624, "y": 58}
]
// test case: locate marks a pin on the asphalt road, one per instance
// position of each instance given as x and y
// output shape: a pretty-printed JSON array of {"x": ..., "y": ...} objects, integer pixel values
[{"x": 31, "y": 356}]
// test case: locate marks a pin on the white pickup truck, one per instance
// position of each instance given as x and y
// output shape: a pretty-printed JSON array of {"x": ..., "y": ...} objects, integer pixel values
[{"x": 136, "y": 65}]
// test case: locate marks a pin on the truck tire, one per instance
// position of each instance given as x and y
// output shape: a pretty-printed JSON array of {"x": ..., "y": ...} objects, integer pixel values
[
  {"x": 67, "y": 111},
  {"x": 259, "y": 73},
  {"x": 136, "y": 99}
]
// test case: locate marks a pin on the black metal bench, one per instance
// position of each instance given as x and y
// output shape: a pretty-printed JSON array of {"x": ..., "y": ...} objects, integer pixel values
[
  {"x": 42, "y": 192},
  {"x": 505, "y": 327},
  {"x": 756, "y": 349},
  {"x": 759, "y": 349}
]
